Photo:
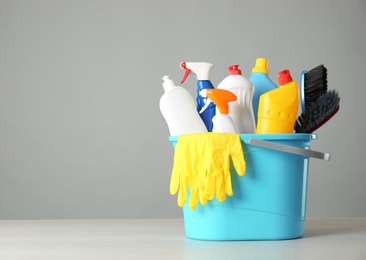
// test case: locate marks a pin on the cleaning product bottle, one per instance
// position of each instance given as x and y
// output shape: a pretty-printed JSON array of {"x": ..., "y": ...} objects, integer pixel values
[
  {"x": 179, "y": 110},
  {"x": 277, "y": 110},
  {"x": 241, "y": 111},
  {"x": 262, "y": 83},
  {"x": 202, "y": 71},
  {"x": 222, "y": 122}
]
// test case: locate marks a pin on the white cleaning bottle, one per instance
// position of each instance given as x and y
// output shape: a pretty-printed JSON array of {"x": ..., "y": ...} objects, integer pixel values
[
  {"x": 222, "y": 122},
  {"x": 241, "y": 111},
  {"x": 179, "y": 110}
]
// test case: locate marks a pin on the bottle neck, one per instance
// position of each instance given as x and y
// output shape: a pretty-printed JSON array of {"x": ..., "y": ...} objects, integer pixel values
[
  {"x": 204, "y": 84},
  {"x": 260, "y": 73}
]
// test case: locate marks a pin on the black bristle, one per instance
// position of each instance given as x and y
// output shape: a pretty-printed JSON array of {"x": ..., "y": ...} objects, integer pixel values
[
  {"x": 318, "y": 112},
  {"x": 315, "y": 83}
]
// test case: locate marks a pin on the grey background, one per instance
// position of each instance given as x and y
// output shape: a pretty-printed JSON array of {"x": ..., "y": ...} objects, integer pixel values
[{"x": 81, "y": 133}]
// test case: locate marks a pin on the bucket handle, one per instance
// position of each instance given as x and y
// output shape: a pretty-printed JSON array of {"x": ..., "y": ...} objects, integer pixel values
[{"x": 289, "y": 149}]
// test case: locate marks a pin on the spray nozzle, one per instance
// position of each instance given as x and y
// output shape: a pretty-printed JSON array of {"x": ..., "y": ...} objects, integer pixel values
[
  {"x": 220, "y": 97},
  {"x": 168, "y": 83},
  {"x": 201, "y": 69},
  {"x": 188, "y": 71}
]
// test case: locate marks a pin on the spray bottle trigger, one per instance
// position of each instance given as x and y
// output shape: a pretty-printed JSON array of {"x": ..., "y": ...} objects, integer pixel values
[
  {"x": 187, "y": 72},
  {"x": 203, "y": 93}
]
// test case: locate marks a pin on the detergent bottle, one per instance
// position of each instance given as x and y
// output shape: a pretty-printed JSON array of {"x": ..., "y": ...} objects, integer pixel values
[
  {"x": 262, "y": 83},
  {"x": 179, "y": 110},
  {"x": 222, "y": 122},
  {"x": 202, "y": 71},
  {"x": 241, "y": 111},
  {"x": 277, "y": 110}
]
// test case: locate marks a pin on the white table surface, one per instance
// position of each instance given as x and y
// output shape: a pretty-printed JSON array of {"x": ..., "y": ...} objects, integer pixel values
[{"x": 333, "y": 238}]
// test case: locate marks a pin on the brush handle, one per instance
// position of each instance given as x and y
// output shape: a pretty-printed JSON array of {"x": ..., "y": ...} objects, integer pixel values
[
  {"x": 302, "y": 90},
  {"x": 289, "y": 149}
]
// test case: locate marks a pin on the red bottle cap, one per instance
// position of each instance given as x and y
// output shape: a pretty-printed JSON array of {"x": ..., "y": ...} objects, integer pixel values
[
  {"x": 234, "y": 70},
  {"x": 284, "y": 77}
]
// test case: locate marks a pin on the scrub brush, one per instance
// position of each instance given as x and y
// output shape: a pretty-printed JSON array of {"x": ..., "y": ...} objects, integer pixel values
[
  {"x": 313, "y": 84},
  {"x": 317, "y": 113},
  {"x": 317, "y": 103}
]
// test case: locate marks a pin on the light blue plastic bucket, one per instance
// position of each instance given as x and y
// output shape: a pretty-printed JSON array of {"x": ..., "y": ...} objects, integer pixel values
[{"x": 269, "y": 201}]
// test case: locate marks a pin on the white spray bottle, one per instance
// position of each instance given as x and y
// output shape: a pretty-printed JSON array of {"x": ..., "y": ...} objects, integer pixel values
[
  {"x": 222, "y": 122},
  {"x": 241, "y": 111},
  {"x": 179, "y": 110}
]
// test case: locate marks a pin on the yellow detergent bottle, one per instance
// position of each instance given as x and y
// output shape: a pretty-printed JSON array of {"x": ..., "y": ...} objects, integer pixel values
[{"x": 277, "y": 111}]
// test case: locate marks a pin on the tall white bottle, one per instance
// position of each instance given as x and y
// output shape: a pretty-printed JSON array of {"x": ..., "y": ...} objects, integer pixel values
[
  {"x": 241, "y": 111},
  {"x": 179, "y": 110}
]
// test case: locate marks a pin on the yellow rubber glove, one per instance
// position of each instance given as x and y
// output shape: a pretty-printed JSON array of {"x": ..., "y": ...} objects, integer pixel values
[
  {"x": 202, "y": 162},
  {"x": 188, "y": 170},
  {"x": 221, "y": 148}
]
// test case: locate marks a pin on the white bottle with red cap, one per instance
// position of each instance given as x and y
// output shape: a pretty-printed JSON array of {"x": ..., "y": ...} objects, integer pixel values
[{"x": 241, "y": 110}]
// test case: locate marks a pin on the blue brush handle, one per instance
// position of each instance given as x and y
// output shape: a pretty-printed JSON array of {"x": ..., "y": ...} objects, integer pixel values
[{"x": 302, "y": 90}]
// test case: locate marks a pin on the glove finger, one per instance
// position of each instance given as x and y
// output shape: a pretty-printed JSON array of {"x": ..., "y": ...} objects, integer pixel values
[
  {"x": 178, "y": 168},
  {"x": 203, "y": 199},
  {"x": 220, "y": 187},
  {"x": 174, "y": 180},
  {"x": 182, "y": 195},
  {"x": 228, "y": 185},
  {"x": 210, "y": 184},
  {"x": 201, "y": 190},
  {"x": 181, "y": 163},
  {"x": 193, "y": 169},
  {"x": 178, "y": 173},
  {"x": 227, "y": 178},
  {"x": 193, "y": 199},
  {"x": 193, "y": 202},
  {"x": 237, "y": 155}
]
